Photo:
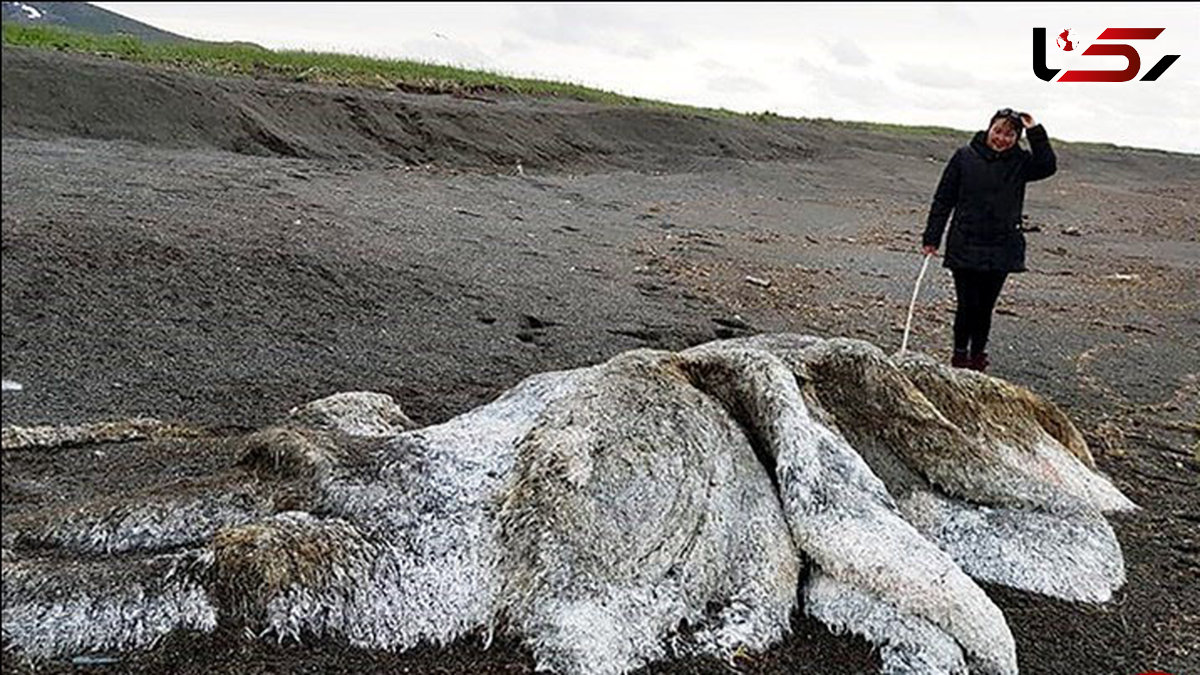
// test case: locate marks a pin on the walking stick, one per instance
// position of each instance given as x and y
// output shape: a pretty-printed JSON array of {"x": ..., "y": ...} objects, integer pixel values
[{"x": 913, "y": 303}]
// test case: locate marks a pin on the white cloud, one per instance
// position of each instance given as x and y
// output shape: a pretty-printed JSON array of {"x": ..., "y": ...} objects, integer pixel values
[
  {"x": 863, "y": 92},
  {"x": 606, "y": 27},
  {"x": 449, "y": 52},
  {"x": 952, "y": 13},
  {"x": 937, "y": 77},
  {"x": 736, "y": 84},
  {"x": 847, "y": 53},
  {"x": 509, "y": 46}
]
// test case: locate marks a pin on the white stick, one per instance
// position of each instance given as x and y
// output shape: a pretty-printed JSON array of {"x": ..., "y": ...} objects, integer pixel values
[{"x": 913, "y": 303}]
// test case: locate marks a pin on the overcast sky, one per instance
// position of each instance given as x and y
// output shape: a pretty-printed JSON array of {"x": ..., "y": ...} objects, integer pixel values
[{"x": 940, "y": 64}]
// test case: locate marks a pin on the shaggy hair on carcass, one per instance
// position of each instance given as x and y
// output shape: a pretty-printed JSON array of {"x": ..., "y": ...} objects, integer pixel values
[{"x": 596, "y": 511}]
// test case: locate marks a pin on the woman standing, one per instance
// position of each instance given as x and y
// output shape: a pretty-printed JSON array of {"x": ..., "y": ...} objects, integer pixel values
[{"x": 984, "y": 185}]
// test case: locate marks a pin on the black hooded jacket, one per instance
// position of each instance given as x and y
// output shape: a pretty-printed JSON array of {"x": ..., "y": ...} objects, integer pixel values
[{"x": 986, "y": 191}]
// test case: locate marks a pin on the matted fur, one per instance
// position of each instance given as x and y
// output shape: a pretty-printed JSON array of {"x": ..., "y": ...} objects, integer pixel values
[
  {"x": 14, "y": 437},
  {"x": 595, "y": 511}
]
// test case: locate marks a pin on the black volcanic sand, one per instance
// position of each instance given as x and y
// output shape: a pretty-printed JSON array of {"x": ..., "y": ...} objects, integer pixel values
[{"x": 215, "y": 251}]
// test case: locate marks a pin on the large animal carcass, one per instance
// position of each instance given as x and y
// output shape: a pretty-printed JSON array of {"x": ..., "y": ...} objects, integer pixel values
[{"x": 595, "y": 511}]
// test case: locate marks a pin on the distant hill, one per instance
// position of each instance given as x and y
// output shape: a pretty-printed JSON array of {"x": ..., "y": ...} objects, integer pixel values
[{"x": 86, "y": 17}]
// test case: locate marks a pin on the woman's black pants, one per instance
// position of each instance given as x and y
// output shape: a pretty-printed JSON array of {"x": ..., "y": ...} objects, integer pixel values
[{"x": 977, "y": 292}]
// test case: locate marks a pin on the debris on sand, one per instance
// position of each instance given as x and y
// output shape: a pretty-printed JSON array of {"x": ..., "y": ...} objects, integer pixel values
[
  {"x": 598, "y": 509},
  {"x": 11, "y": 385},
  {"x": 1124, "y": 277},
  {"x": 758, "y": 281},
  {"x": 735, "y": 322}
]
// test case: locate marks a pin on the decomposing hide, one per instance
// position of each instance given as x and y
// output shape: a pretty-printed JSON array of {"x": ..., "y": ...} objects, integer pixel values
[{"x": 596, "y": 511}]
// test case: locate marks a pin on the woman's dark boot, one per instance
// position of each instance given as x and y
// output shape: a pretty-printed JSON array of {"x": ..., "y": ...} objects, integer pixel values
[
  {"x": 979, "y": 362},
  {"x": 960, "y": 360}
]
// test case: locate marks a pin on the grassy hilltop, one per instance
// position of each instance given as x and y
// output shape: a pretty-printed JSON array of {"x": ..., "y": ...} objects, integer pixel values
[
  {"x": 250, "y": 60},
  {"x": 242, "y": 59}
]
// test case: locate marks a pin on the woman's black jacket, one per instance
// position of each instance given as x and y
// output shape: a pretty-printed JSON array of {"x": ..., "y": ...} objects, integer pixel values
[{"x": 986, "y": 191}]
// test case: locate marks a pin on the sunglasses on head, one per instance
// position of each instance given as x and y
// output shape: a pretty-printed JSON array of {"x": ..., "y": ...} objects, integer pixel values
[{"x": 1009, "y": 114}]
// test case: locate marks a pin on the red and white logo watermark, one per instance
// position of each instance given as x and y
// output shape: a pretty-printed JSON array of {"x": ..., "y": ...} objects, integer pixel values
[{"x": 1104, "y": 45}]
